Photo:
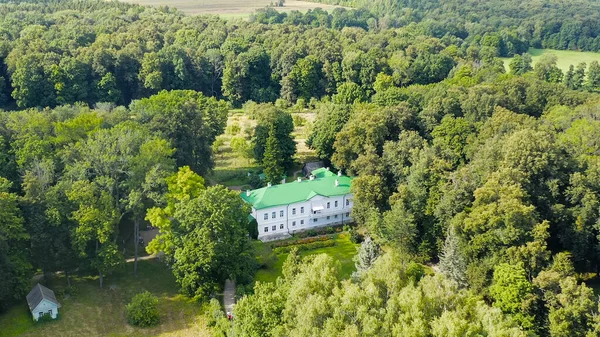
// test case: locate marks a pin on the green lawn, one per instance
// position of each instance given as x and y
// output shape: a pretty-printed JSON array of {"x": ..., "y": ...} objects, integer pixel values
[
  {"x": 565, "y": 57},
  {"x": 101, "y": 312},
  {"x": 343, "y": 251}
]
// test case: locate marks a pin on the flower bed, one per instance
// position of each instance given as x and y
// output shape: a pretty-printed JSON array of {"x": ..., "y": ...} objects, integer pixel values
[
  {"x": 305, "y": 246},
  {"x": 302, "y": 241}
]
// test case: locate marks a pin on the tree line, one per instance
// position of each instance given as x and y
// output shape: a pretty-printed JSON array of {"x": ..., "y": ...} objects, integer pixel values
[{"x": 509, "y": 27}]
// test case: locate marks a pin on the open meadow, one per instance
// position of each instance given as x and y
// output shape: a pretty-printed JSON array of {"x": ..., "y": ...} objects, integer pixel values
[
  {"x": 565, "y": 57},
  {"x": 230, "y": 8}
]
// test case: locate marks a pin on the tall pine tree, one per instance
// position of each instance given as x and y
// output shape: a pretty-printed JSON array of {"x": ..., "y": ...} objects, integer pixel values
[
  {"x": 452, "y": 260},
  {"x": 569, "y": 77},
  {"x": 579, "y": 75},
  {"x": 368, "y": 252},
  {"x": 272, "y": 160},
  {"x": 593, "y": 78}
]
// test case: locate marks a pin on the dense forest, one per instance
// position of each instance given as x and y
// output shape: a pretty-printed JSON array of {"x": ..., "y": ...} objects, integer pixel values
[
  {"x": 506, "y": 24},
  {"x": 490, "y": 175}
]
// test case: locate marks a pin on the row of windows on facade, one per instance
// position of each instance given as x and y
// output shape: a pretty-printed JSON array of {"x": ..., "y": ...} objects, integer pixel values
[
  {"x": 274, "y": 227},
  {"x": 273, "y": 214}
]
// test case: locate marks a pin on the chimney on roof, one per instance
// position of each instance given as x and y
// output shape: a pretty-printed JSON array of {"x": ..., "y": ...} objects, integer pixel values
[
  {"x": 339, "y": 173},
  {"x": 299, "y": 179},
  {"x": 312, "y": 177},
  {"x": 248, "y": 193},
  {"x": 268, "y": 184},
  {"x": 337, "y": 183}
]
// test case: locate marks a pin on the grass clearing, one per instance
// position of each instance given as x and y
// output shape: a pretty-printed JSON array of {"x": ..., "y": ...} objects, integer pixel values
[
  {"x": 565, "y": 57},
  {"x": 231, "y": 168},
  {"x": 230, "y": 9},
  {"x": 101, "y": 312},
  {"x": 344, "y": 251}
]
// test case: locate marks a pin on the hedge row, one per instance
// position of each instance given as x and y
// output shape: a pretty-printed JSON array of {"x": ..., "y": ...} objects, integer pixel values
[
  {"x": 302, "y": 241},
  {"x": 320, "y": 231},
  {"x": 303, "y": 247}
]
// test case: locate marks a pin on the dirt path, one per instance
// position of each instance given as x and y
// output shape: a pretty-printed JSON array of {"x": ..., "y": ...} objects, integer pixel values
[
  {"x": 147, "y": 236},
  {"x": 229, "y": 296},
  {"x": 142, "y": 258}
]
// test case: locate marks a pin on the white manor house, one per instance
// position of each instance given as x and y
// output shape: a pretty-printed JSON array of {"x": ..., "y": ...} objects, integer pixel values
[{"x": 282, "y": 210}]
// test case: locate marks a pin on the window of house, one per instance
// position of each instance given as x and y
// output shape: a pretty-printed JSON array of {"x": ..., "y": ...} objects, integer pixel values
[
  {"x": 301, "y": 210},
  {"x": 347, "y": 202},
  {"x": 266, "y": 216},
  {"x": 336, "y": 203},
  {"x": 335, "y": 216},
  {"x": 281, "y": 214},
  {"x": 50, "y": 312},
  {"x": 281, "y": 226},
  {"x": 273, "y": 215},
  {"x": 266, "y": 229},
  {"x": 41, "y": 314},
  {"x": 293, "y": 211},
  {"x": 302, "y": 222},
  {"x": 274, "y": 227},
  {"x": 293, "y": 223},
  {"x": 328, "y": 204},
  {"x": 347, "y": 214},
  {"x": 315, "y": 220},
  {"x": 328, "y": 217}
]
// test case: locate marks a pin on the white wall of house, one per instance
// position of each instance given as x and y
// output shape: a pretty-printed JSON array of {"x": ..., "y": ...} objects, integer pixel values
[
  {"x": 319, "y": 211},
  {"x": 45, "y": 307}
]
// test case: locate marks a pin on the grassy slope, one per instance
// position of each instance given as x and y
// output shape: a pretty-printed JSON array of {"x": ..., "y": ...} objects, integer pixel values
[
  {"x": 101, "y": 312},
  {"x": 565, "y": 57},
  {"x": 343, "y": 251}
]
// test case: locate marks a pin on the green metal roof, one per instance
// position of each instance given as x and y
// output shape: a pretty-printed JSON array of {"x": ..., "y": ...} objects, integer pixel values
[
  {"x": 285, "y": 194},
  {"x": 322, "y": 173},
  {"x": 262, "y": 176}
]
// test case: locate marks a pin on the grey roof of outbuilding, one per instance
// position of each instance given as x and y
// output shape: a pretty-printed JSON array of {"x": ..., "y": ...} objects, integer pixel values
[{"x": 39, "y": 293}]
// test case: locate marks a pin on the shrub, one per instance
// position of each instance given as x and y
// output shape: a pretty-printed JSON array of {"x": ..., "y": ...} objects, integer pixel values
[
  {"x": 143, "y": 310},
  {"x": 355, "y": 236},
  {"x": 46, "y": 318},
  {"x": 282, "y": 103},
  {"x": 233, "y": 129},
  {"x": 222, "y": 328},
  {"x": 298, "y": 120},
  {"x": 301, "y": 241},
  {"x": 267, "y": 261},
  {"x": 255, "y": 182},
  {"x": 214, "y": 312},
  {"x": 243, "y": 290},
  {"x": 415, "y": 272},
  {"x": 216, "y": 145},
  {"x": 301, "y": 103},
  {"x": 66, "y": 292},
  {"x": 304, "y": 247}
]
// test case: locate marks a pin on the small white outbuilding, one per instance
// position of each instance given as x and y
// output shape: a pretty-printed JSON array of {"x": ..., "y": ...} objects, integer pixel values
[{"x": 42, "y": 301}]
